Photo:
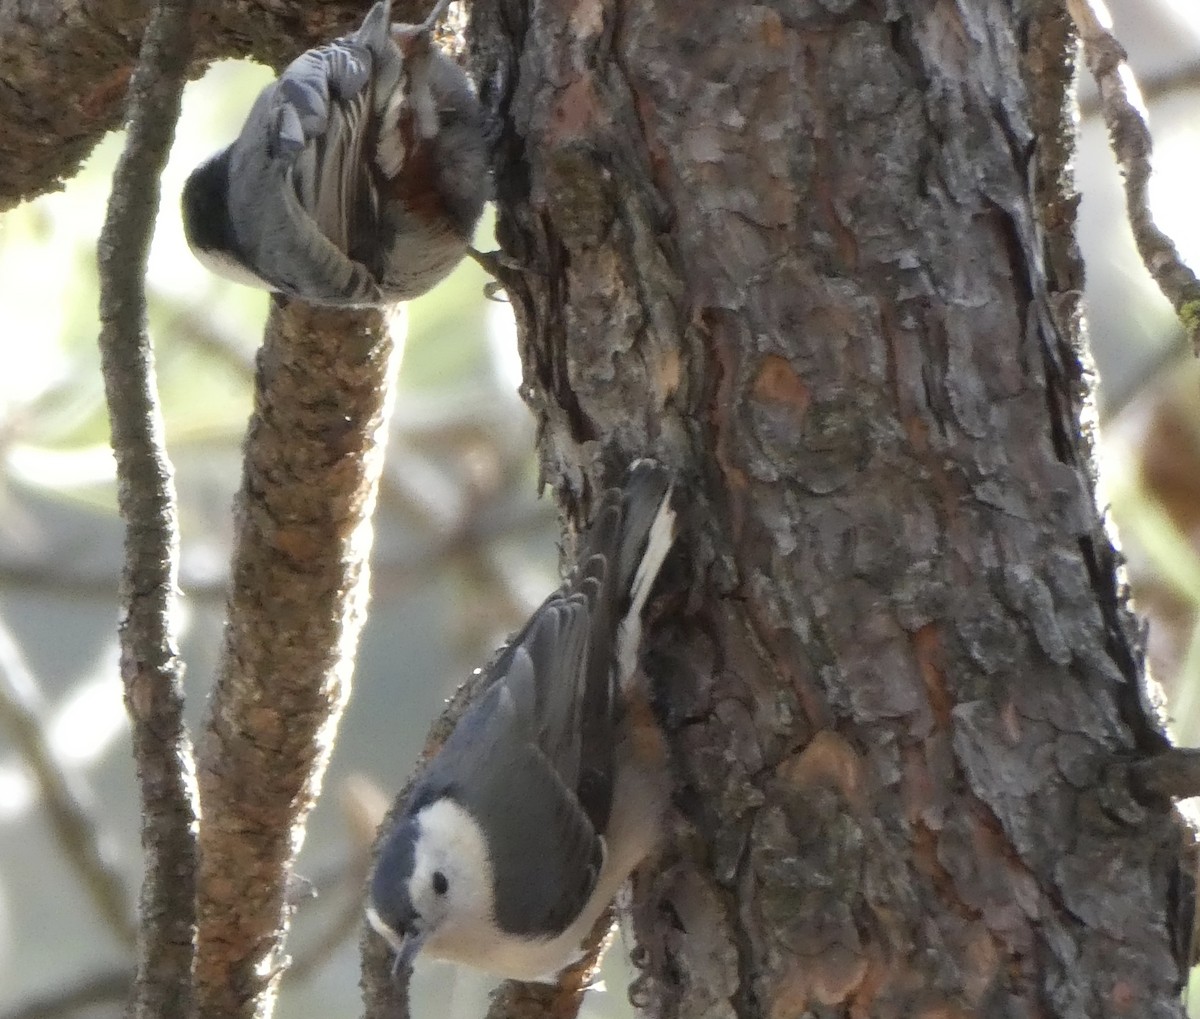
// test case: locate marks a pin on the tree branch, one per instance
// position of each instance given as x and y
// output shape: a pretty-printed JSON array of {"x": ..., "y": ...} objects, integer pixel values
[
  {"x": 400, "y": 573},
  {"x": 1172, "y": 774},
  {"x": 1131, "y": 144},
  {"x": 66, "y": 800},
  {"x": 64, "y": 69},
  {"x": 314, "y": 454},
  {"x": 1153, "y": 87},
  {"x": 150, "y": 666}
]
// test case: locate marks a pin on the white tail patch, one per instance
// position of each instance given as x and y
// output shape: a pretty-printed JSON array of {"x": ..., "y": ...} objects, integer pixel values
[{"x": 658, "y": 544}]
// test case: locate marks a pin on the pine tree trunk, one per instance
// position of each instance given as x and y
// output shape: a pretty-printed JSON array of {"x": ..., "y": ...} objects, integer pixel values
[{"x": 817, "y": 256}]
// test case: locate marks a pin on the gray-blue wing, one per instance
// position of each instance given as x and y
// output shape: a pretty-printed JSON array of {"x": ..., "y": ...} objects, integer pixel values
[
  {"x": 545, "y": 854},
  {"x": 557, "y": 647},
  {"x": 310, "y": 173}
]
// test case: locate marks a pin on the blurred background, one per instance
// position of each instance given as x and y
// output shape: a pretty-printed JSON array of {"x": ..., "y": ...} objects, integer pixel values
[{"x": 464, "y": 548}]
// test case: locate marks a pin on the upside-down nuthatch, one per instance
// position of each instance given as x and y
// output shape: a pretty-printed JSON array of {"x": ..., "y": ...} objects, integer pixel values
[
  {"x": 553, "y": 785},
  {"x": 358, "y": 177}
]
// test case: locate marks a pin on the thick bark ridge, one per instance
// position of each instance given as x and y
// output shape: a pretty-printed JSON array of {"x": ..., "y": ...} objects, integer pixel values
[{"x": 818, "y": 258}]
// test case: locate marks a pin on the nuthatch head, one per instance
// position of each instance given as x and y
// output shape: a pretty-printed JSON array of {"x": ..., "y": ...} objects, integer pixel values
[
  {"x": 359, "y": 175},
  {"x": 553, "y": 785}
]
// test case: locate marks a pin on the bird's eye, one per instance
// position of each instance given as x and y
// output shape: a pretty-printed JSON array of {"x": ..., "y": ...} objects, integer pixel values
[{"x": 440, "y": 884}]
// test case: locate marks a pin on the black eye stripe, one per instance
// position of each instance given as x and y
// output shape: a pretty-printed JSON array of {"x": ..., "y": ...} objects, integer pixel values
[{"x": 440, "y": 884}]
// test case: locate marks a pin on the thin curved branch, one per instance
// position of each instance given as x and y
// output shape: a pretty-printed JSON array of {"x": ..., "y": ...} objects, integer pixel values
[
  {"x": 66, "y": 799},
  {"x": 1153, "y": 87},
  {"x": 150, "y": 666},
  {"x": 1132, "y": 145},
  {"x": 1172, "y": 774}
]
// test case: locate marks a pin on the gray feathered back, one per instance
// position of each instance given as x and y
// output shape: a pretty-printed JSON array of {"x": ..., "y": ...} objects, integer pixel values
[{"x": 536, "y": 752}]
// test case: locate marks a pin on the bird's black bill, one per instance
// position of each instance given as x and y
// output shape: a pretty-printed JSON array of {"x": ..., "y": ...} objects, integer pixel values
[
  {"x": 406, "y": 955},
  {"x": 397, "y": 970}
]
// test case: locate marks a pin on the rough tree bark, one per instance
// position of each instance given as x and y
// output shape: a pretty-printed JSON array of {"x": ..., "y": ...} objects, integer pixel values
[
  {"x": 151, "y": 669},
  {"x": 818, "y": 257},
  {"x": 298, "y": 598}
]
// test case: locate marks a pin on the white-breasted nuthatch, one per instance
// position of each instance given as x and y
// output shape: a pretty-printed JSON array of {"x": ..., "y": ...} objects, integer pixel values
[
  {"x": 358, "y": 177},
  {"x": 553, "y": 785}
]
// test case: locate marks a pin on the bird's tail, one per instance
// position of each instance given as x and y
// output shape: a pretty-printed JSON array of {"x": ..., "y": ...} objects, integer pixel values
[
  {"x": 618, "y": 560},
  {"x": 647, "y": 529}
]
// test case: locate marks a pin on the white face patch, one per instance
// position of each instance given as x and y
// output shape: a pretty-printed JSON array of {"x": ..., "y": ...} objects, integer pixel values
[{"x": 451, "y": 883}]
